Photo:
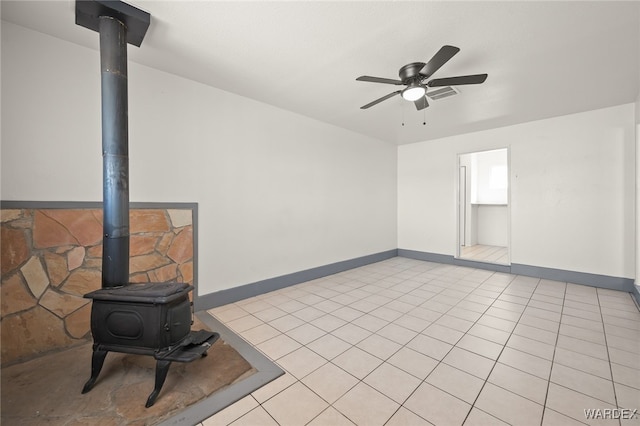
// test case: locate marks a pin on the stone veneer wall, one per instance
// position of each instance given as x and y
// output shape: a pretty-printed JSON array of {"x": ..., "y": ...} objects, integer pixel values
[{"x": 52, "y": 257}]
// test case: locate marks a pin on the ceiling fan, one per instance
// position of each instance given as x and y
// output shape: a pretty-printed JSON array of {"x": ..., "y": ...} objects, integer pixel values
[{"x": 414, "y": 75}]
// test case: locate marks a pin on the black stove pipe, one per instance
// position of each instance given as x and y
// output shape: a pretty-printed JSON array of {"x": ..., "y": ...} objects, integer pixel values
[{"x": 115, "y": 152}]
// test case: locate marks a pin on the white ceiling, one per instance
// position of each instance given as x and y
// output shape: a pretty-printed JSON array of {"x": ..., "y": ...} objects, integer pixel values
[{"x": 544, "y": 59}]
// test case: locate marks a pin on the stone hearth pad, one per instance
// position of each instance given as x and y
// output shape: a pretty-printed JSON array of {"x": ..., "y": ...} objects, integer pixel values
[{"x": 46, "y": 390}]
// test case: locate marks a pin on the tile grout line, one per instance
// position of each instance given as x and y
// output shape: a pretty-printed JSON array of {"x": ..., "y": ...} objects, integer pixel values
[
  {"x": 454, "y": 345},
  {"x": 498, "y": 357},
  {"x": 325, "y": 313},
  {"x": 401, "y": 405},
  {"x": 553, "y": 357},
  {"x": 439, "y": 361},
  {"x": 372, "y": 333},
  {"x": 608, "y": 360},
  {"x": 329, "y": 361},
  {"x": 606, "y": 344},
  {"x": 401, "y": 347}
]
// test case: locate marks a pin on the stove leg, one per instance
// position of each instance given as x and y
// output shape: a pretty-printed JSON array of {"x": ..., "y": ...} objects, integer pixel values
[
  {"x": 97, "y": 359},
  {"x": 162, "y": 368}
]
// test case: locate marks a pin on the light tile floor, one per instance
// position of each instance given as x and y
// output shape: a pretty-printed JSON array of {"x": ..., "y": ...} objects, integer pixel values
[
  {"x": 407, "y": 342},
  {"x": 485, "y": 253}
]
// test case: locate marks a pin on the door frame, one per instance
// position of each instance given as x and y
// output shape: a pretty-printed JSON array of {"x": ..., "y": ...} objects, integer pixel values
[{"x": 459, "y": 210}]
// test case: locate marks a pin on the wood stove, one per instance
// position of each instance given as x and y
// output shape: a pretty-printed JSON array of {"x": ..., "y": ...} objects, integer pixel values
[
  {"x": 145, "y": 319},
  {"x": 143, "y": 316}
]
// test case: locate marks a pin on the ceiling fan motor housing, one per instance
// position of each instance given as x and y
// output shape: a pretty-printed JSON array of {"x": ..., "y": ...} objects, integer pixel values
[{"x": 411, "y": 72}]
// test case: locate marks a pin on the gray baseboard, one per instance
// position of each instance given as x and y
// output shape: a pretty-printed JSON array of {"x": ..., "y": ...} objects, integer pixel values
[
  {"x": 428, "y": 257},
  {"x": 636, "y": 294},
  {"x": 223, "y": 297},
  {"x": 451, "y": 260},
  {"x": 584, "y": 278}
]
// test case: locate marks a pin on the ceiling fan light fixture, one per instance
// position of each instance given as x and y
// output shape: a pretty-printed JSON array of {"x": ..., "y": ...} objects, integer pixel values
[{"x": 413, "y": 92}]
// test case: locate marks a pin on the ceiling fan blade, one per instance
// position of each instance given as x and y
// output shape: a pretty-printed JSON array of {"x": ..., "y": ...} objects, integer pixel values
[
  {"x": 439, "y": 59},
  {"x": 421, "y": 103},
  {"x": 379, "y": 80},
  {"x": 377, "y": 101},
  {"x": 457, "y": 81}
]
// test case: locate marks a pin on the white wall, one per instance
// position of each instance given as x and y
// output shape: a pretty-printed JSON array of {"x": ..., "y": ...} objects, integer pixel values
[
  {"x": 572, "y": 191},
  {"x": 277, "y": 192},
  {"x": 488, "y": 191},
  {"x": 637, "y": 106},
  {"x": 493, "y": 225},
  {"x": 492, "y": 219},
  {"x": 637, "y": 194}
]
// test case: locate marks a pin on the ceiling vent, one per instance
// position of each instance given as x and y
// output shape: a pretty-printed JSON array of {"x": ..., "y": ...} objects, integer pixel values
[{"x": 442, "y": 92}]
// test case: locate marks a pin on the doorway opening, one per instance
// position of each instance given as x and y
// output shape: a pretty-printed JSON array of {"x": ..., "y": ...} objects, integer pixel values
[{"x": 483, "y": 206}]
